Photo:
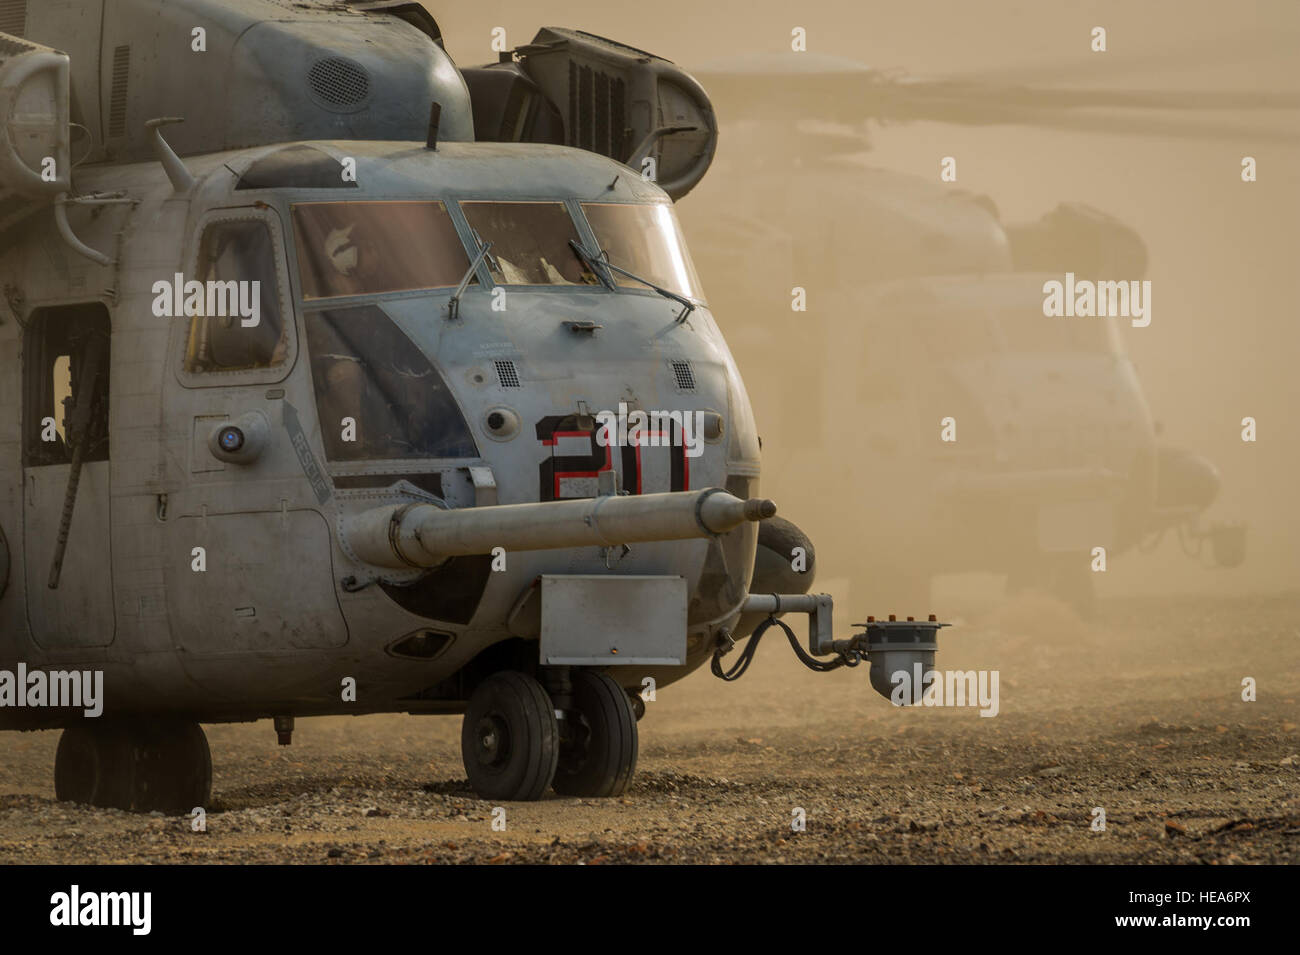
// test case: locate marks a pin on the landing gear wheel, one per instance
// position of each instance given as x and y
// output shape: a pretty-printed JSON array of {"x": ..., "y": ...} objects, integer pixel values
[
  {"x": 173, "y": 768},
  {"x": 510, "y": 739},
  {"x": 134, "y": 766},
  {"x": 599, "y": 748},
  {"x": 94, "y": 766}
]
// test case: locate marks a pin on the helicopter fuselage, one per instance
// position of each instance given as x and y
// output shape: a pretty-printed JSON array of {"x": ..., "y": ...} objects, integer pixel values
[{"x": 303, "y": 292}]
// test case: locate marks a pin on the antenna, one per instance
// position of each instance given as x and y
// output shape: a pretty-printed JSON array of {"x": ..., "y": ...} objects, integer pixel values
[
  {"x": 180, "y": 177},
  {"x": 435, "y": 114}
]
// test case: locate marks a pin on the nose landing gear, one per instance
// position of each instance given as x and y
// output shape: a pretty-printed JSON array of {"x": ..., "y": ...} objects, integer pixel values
[
  {"x": 510, "y": 740},
  {"x": 598, "y": 742},
  {"x": 517, "y": 740}
]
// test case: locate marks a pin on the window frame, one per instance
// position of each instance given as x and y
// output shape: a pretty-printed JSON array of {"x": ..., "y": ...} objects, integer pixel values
[
  {"x": 581, "y": 232},
  {"x": 590, "y": 230},
  {"x": 458, "y": 222},
  {"x": 274, "y": 374}
]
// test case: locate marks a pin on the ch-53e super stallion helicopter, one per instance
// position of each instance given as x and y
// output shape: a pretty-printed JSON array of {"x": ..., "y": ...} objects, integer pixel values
[{"x": 318, "y": 403}]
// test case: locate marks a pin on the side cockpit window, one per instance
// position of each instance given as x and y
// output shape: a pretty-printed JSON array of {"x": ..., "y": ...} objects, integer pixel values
[{"x": 234, "y": 303}]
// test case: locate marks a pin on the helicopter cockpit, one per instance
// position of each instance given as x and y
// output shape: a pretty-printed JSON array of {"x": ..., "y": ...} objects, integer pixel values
[
  {"x": 349, "y": 248},
  {"x": 366, "y": 368}
]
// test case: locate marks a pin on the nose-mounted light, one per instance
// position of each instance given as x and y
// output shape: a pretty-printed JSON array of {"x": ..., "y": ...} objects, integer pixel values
[
  {"x": 243, "y": 441},
  {"x": 231, "y": 439},
  {"x": 897, "y": 647},
  {"x": 501, "y": 424}
]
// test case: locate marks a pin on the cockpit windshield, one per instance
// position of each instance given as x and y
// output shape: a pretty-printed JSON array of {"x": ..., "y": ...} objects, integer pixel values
[
  {"x": 378, "y": 247},
  {"x": 647, "y": 241},
  {"x": 530, "y": 242},
  {"x": 368, "y": 248}
]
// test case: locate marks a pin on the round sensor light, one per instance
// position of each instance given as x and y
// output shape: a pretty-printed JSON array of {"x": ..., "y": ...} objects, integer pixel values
[{"x": 231, "y": 439}]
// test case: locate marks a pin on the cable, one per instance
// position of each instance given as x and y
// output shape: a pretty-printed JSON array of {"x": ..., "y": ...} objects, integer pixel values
[{"x": 849, "y": 658}]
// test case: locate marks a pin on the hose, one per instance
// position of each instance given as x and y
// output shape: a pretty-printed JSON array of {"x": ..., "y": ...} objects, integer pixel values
[{"x": 849, "y": 658}]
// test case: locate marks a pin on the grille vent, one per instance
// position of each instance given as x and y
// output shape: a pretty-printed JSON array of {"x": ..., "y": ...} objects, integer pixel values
[
  {"x": 117, "y": 95},
  {"x": 508, "y": 373},
  {"x": 338, "y": 82},
  {"x": 684, "y": 375},
  {"x": 13, "y": 17},
  {"x": 596, "y": 119}
]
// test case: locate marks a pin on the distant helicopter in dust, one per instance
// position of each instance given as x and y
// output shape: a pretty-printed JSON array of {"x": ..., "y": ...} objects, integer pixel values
[{"x": 930, "y": 308}]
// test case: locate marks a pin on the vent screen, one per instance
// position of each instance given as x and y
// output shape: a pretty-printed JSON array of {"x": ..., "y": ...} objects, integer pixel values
[
  {"x": 684, "y": 375},
  {"x": 339, "y": 82},
  {"x": 596, "y": 120},
  {"x": 13, "y": 17},
  {"x": 117, "y": 96},
  {"x": 508, "y": 374}
]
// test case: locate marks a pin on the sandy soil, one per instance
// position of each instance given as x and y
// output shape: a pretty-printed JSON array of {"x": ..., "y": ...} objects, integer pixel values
[{"x": 1139, "y": 712}]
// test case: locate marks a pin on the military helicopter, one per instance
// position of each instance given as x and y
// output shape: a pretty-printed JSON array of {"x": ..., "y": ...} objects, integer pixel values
[
  {"x": 929, "y": 308},
  {"x": 375, "y": 385}
]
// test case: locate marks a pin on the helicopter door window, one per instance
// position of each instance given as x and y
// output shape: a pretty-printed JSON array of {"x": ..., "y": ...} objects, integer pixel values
[
  {"x": 647, "y": 241},
  {"x": 241, "y": 324},
  {"x": 66, "y": 362},
  {"x": 372, "y": 248},
  {"x": 530, "y": 242}
]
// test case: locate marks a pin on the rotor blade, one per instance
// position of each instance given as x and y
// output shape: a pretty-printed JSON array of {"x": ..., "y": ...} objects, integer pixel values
[
  {"x": 1243, "y": 49},
  {"x": 951, "y": 90},
  {"x": 840, "y": 89},
  {"x": 1128, "y": 124}
]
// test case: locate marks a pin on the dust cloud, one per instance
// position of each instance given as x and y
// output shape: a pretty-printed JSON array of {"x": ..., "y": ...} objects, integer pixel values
[{"x": 775, "y": 213}]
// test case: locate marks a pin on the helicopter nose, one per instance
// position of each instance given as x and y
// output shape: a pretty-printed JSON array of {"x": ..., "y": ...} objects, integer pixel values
[{"x": 1185, "y": 479}]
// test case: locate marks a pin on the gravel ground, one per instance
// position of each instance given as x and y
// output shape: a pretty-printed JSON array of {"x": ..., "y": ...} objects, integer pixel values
[{"x": 1139, "y": 713}]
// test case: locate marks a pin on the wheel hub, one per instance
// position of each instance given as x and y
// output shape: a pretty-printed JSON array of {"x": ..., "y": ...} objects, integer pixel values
[{"x": 493, "y": 740}]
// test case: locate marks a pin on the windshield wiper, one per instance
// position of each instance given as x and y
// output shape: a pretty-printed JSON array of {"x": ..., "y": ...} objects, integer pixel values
[
  {"x": 687, "y": 305},
  {"x": 491, "y": 259},
  {"x": 453, "y": 303},
  {"x": 590, "y": 262}
]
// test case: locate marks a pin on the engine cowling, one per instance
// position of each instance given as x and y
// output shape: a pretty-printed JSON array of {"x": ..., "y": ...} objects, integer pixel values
[{"x": 579, "y": 89}]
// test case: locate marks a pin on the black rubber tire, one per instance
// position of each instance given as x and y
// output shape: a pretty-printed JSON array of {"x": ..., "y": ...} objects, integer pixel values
[
  {"x": 135, "y": 766},
  {"x": 598, "y": 754},
  {"x": 173, "y": 768},
  {"x": 94, "y": 765},
  {"x": 510, "y": 740}
]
